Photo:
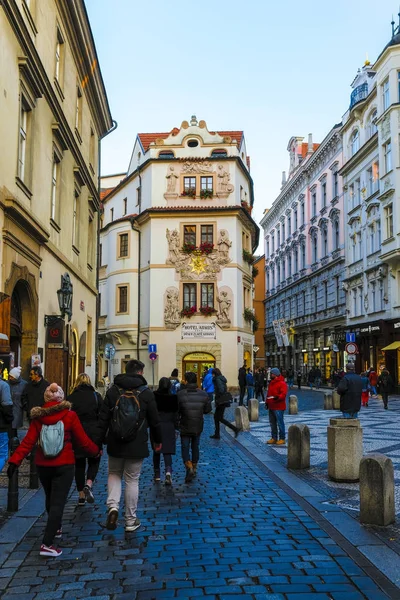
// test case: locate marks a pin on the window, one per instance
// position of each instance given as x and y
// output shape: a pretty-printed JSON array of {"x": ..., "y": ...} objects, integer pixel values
[
  {"x": 92, "y": 149},
  {"x": 323, "y": 195},
  {"x": 315, "y": 299},
  {"x": 303, "y": 216},
  {"x": 373, "y": 178},
  {"x": 166, "y": 154},
  {"x": 289, "y": 225},
  {"x": 303, "y": 255},
  {"x": 355, "y": 142},
  {"x": 78, "y": 110},
  {"x": 59, "y": 66},
  {"x": 283, "y": 269},
  {"x": 325, "y": 291},
  {"x": 387, "y": 156},
  {"x": 219, "y": 153},
  {"x": 283, "y": 233},
  {"x": 207, "y": 294},
  {"x": 385, "y": 94},
  {"x": 189, "y": 235},
  {"x": 359, "y": 245},
  {"x": 138, "y": 196},
  {"x": 360, "y": 299},
  {"x": 55, "y": 184},
  {"x": 272, "y": 242},
  {"x": 206, "y": 234},
  {"x": 335, "y": 184},
  {"x": 357, "y": 192},
  {"x": 372, "y": 128},
  {"x": 388, "y": 212},
  {"x": 122, "y": 299},
  {"x": 125, "y": 206},
  {"x": 378, "y": 234},
  {"x": 351, "y": 195},
  {"x": 189, "y": 185},
  {"x": 289, "y": 264},
  {"x": 314, "y": 203},
  {"x": 314, "y": 249},
  {"x": 336, "y": 234},
  {"x": 373, "y": 296},
  {"x": 278, "y": 238},
  {"x": 337, "y": 290},
  {"x": 268, "y": 280},
  {"x": 372, "y": 239},
  {"x": 189, "y": 295},
  {"x": 303, "y": 303},
  {"x": 206, "y": 184},
  {"x": 354, "y": 302},
  {"x": 296, "y": 260},
  {"x": 111, "y": 215},
  {"x": 353, "y": 248},
  {"x": 123, "y": 245},
  {"x": 75, "y": 219},
  {"x": 381, "y": 294},
  {"x": 325, "y": 241},
  {"x": 24, "y": 141},
  {"x": 267, "y": 248},
  {"x": 295, "y": 218}
]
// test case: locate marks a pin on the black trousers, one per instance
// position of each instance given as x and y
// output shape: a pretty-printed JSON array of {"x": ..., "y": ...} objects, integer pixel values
[
  {"x": 56, "y": 482},
  {"x": 219, "y": 418},
  {"x": 385, "y": 398},
  {"x": 167, "y": 461},
  {"x": 242, "y": 393},
  {"x": 80, "y": 471}
]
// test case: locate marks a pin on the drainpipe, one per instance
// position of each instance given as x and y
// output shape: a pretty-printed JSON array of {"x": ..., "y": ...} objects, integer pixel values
[
  {"x": 96, "y": 347},
  {"x": 138, "y": 231}
]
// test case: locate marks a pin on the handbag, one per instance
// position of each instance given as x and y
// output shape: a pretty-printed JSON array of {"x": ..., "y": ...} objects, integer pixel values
[{"x": 224, "y": 400}]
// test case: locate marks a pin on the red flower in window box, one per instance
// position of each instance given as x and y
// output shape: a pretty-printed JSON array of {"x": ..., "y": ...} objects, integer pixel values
[
  {"x": 189, "y": 192},
  {"x": 188, "y": 312},
  {"x": 206, "y": 247},
  {"x": 188, "y": 248},
  {"x": 207, "y": 310},
  {"x": 206, "y": 194}
]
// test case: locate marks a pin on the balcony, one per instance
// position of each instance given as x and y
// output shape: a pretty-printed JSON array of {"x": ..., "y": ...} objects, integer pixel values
[{"x": 359, "y": 94}]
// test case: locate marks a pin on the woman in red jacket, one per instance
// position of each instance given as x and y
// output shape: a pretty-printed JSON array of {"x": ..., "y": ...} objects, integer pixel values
[
  {"x": 276, "y": 403},
  {"x": 55, "y": 474}
]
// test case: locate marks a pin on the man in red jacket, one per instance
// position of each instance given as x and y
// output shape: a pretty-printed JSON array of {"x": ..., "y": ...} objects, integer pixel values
[{"x": 276, "y": 403}]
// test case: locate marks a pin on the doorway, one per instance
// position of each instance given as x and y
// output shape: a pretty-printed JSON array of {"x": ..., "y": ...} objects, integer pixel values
[{"x": 199, "y": 363}]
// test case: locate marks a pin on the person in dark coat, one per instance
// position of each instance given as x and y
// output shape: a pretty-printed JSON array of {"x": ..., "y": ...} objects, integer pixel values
[
  {"x": 167, "y": 406},
  {"x": 221, "y": 403},
  {"x": 350, "y": 389},
  {"x": 17, "y": 386},
  {"x": 193, "y": 404},
  {"x": 6, "y": 404},
  {"x": 125, "y": 458},
  {"x": 86, "y": 402},
  {"x": 385, "y": 386},
  {"x": 299, "y": 378},
  {"x": 311, "y": 377},
  {"x": 242, "y": 383},
  {"x": 33, "y": 394}
]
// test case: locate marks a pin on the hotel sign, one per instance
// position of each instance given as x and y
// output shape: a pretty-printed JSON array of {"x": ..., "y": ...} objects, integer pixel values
[{"x": 204, "y": 331}]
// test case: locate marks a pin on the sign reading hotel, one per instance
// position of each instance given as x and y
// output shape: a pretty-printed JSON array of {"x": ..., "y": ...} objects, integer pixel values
[{"x": 205, "y": 331}]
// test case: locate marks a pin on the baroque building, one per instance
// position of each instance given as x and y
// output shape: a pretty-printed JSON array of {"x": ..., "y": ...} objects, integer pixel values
[
  {"x": 54, "y": 111},
  {"x": 304, "y": 260},
  {"x": 371, "y": 184},
  {"x": 177, "y": 241}
]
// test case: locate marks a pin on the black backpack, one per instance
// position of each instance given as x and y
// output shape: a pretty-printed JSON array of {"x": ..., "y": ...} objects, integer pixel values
[{"x": 125, "y": 418}]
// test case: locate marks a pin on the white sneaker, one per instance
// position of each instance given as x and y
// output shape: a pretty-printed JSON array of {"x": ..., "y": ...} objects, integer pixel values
[
  {"x": 49, "y": 551},
  {"x": 136, "y": 524},
  {"x": 59, "y": 533}
]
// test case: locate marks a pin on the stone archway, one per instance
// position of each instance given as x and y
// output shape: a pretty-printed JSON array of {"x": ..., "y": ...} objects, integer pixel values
[{"x": 21, "y": 287}]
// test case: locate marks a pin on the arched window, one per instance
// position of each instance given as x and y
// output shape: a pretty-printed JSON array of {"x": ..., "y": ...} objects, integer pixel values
[
  {"x": 355, "y": 142},
  {"x": 336, "y": 234},
  {"x": 372, "y": 127},
  {"x": 166, "y": 154},
  {"x": 219, "y": 153},
  {"x": 324, "y": 233},
  {"x": 314, "y": 248},
  {"x": 303, "y": 255}
]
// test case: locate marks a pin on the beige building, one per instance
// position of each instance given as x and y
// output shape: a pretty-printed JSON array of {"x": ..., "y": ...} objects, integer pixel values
[
  {"x": 54, "y": 111},
  {"x": 177, "y": 243}
]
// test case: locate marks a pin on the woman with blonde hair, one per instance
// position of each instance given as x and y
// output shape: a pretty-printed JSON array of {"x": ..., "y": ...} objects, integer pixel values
[{"x": 86, "y": 402}]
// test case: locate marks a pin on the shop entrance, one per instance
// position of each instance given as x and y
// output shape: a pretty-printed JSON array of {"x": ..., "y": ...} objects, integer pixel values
[{"x": 197, "y": 362}]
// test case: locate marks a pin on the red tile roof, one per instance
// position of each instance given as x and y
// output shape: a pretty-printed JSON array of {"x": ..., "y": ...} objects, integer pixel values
[
  {"x": 304, "y": 148},
  {"x": 105, "y": 191},
  {"x": 147, "y": 138}
]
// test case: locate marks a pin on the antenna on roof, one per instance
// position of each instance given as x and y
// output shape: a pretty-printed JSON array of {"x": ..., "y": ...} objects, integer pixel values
[{"x": 392, "y": 24}]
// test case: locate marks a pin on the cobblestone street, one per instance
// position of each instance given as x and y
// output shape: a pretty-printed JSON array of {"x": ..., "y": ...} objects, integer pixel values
[{"x": 232, "y": 533}]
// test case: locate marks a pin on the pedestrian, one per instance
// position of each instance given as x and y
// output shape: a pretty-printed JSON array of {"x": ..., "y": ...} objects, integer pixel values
[
  {"x": 55, "y": 459},
  {"x": 175, "y": 383},
  {"x": 385, "y": 386},
  {"x": 129, "y": 408},
  {"x": 33, "y": 394},
  {"x": 193, "y": 404},
  {"x": 167, "y": 406},
  {"x": 86, "y": 402},
  {"x": 365, "y": 389},
  {"x": 299, "y": 377},
  {"x": 208, "y": 384},
  {"x": 242, "y": 383},
  {"x": 275, "y": 402},
  {"x": 290, "y": 377},
  {"x": 17, "y": 386},
  {"x": 373, "y": 381},
  {"x": 259, "y": 383},
  {"x": 335, "y": 378},
  {"x": 222, "y": 401},
  {"x": 350, "y": 390},
  {"x": 6, "y": 404},
  {"x": 250, "y": 385},
  {"x": 318, "y": 377},
  {"x": 311, "y": 377}
]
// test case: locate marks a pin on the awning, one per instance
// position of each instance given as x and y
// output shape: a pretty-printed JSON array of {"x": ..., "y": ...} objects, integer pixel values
[{"x": 393, "y": 346}]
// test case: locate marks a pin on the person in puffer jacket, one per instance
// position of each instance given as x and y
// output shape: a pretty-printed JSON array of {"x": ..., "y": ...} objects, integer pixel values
[
  {"x": 55, "y": 474},
  {"x": 275, "y": 402}
]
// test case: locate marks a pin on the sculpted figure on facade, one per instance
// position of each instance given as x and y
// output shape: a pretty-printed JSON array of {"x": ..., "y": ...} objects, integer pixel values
[
  {"x": 224, "y": 244},
  {"x": 172, "y": 178},
  {"x": 173, "y": 247},
  {"x": 223, "y": 186},
  {"x": 172, "y": 316},
  {"x": 224, "y": 306}
]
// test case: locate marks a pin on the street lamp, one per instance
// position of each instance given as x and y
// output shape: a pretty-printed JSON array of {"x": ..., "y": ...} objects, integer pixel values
[{"x": 64, "y": 296}]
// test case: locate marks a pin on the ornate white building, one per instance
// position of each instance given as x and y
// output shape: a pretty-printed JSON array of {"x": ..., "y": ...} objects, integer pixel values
[{"x": 177, "y": 240}]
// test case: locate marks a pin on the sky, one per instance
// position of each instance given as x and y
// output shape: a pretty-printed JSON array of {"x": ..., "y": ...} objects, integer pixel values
[{"x": 272, "y": 69}]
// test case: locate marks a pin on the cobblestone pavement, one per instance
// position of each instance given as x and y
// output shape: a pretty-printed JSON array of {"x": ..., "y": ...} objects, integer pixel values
[{"x": 231, "y": 533}]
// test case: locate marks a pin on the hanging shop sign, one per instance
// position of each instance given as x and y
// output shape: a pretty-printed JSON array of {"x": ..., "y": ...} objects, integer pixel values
[{"x": 278, "y": 333}]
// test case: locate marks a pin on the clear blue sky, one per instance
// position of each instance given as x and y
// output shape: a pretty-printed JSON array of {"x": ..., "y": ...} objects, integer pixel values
[{"x": 273, "y": 69}]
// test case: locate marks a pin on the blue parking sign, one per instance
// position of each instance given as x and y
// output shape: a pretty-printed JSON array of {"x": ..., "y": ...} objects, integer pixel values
[
  {"x": 350, "y": 338},
  {"x": 152, "y": 347}
]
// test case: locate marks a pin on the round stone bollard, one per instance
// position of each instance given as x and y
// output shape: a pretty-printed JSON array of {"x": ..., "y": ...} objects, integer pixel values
[
  {"x": 298, "y": 456},
  {"x": 345, "y": 449},
  {"x": 293, "y": 405},
  {"x": 376, "y": 490},
  {"x": 242, "y": 418},
  {"x": 336, "y": 400},
  {"x": 328, "y": 401},
  {"x": 253, "y": 409}
]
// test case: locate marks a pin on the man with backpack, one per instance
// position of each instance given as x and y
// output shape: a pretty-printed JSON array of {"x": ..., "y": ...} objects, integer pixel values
[{"x": 129, "y": 408}]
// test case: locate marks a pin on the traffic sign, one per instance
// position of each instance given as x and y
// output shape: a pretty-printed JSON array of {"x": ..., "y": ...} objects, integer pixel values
[
  {"x": 351, "y": 348},
  {"x": 152, "y": 347},
  {"x": 350, "y": 338},
  {"x": 109, "y": 351},
  {"x": 153, "y": 356}
]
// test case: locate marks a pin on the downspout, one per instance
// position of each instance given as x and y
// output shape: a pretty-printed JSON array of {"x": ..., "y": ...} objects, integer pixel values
[
  {"x": 96, "y": 346},
  {"x": 138, "y": 231}
]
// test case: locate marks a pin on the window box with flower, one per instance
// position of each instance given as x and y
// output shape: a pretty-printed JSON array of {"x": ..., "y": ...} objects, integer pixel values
[
  {"x": 206, "y": 194},
  {"x": 207, "y": 311},
  {"x": 248, "y": 257},
  {"x": 206, "y": 247},
  {"x": 189, "y": 192},
  {"x": 189, "y": 311},
  {"x": 188, "y": 248},
  {"x": 250, "y": 317}
]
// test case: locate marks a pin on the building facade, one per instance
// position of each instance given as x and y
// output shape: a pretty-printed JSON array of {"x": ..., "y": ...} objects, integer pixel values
[
  {"x": 259, "y": 311},
  {"x": 54, "y": 111},
  {"x": 371, "y": 184},
  {"x": 304, "y": 254},
  {"x": 177, "y": 243}
]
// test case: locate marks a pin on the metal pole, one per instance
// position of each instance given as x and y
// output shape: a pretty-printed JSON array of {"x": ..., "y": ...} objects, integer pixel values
[
  {"x": 33, "y": 476},
  {"x": 12, "y": 497},
  {"x": 152, "y": 369}
]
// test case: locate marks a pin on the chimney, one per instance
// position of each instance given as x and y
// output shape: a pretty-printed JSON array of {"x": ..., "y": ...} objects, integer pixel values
[{"x": 310, "y": 148}]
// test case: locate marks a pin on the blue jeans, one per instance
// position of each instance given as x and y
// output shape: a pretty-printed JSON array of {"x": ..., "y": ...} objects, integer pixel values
[
  {"x": 276, "y": 421},
  {"x": 290, "y": 381},
  {"x": 347, "y": 415},
  {"x": 250, "y": 393},
  {"x": 192, "y": 441}
]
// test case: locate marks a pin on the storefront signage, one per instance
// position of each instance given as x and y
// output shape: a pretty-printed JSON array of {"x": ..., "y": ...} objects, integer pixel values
[
  {"x": 55, "y": 332},
  {"x": 199, "y": 356},
  {"x": 199, "y": 330},
  {"x": 370, "y": 328},
  {"x": 396, "y": 325}
]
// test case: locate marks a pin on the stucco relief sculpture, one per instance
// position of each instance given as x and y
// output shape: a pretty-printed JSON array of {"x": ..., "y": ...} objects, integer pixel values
[
  {"x": 200, "y": 167},
  {"x": 385, "y": 127},
  {"x": 172, "y": 178},
  {"x": 175, "y": 255},
  {"x": 224, "y": 244},
  {"x": 224, "y": 308},
  {"x": 172, "y": 316},
  {"x": 223, "y": 179}
]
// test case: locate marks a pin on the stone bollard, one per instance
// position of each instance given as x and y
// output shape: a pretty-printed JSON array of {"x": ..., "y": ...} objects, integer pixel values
[
  {"x": 293, "y": 405},
  {"x": 253, "y": 409},
  {"x": 298, "y": 456},
  {"x": 242, "y": 418},
  {"x": 345, "y": 449},
  {"x": 328, "y": 401},
  {"x": 336, "y": 400},
  {"x": 376, "y": 490}
]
